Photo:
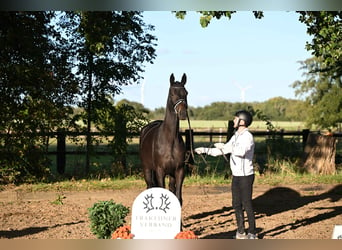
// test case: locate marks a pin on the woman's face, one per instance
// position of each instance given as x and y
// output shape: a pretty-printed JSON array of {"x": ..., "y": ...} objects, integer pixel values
[
  {"x": 236, "y": 120},
  {"x": 237, "y": 123}
]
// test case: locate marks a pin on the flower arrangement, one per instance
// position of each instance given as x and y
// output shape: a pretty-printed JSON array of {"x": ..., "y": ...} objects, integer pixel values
[
  {"x": 186, "y": 235},
  {"x": 123, "y": 232}
]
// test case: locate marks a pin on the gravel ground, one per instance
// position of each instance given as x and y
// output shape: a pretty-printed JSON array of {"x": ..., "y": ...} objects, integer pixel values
[{"x": 284, "y": 212}]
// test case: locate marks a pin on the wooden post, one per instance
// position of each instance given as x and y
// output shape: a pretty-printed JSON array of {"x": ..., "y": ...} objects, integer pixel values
[
  {"x": 60, "y": 156},
  {"x": 306, "y": 133}
]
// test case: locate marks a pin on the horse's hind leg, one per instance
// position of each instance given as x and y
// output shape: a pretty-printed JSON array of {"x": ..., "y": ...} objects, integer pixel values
[
  {"x": 154, "y": 179},
  {"x": 148, "y": 176},
  {"x": 160, "y": 177},
  {"x": 172, "y": 184}
]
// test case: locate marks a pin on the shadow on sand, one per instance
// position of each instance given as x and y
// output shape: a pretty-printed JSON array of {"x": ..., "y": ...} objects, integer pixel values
[
  {"x": 278, "y": 200},
  {"x": 10, "y": 234}
]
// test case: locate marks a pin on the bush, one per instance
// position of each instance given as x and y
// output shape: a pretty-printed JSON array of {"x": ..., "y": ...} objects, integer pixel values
[
  {"x": 23, "y": 163},
  {"x": 106, "y": 217}
]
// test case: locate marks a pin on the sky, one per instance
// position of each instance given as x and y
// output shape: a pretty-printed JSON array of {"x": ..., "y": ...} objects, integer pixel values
[{"x": 241, "y": 59}]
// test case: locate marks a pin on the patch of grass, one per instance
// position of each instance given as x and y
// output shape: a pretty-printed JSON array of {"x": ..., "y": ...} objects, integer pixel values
[
  {"x": 256, "y": 125},
  {"x": 287, "y": 179},
  {"x": 272, "y": 179},
  {"x": 206, "y": 180},
  {"x": 59, "y": 200},
  {"x": 85, "y": 185}
]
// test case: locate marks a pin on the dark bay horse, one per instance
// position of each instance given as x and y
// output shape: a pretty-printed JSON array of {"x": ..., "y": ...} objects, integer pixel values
[{"x": 162, "y": 149}]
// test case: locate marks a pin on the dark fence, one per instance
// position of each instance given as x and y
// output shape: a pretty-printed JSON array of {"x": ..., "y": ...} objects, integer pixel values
[{"x": 190, "y": 139}]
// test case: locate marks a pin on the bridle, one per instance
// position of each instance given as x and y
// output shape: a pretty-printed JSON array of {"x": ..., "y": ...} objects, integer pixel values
[
  {"x": 179, "y": 101},
  {"x": 190, "y": 130}
]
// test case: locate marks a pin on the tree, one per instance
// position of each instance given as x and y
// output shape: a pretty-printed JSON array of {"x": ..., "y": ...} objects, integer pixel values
[
  {"x": 138, "y": 107},
  {"x": 158, "y": 114},
  {"x": 323, "y": 84},
  {"x": 326, "y": 29},
  {"x": 110, "y": 49},
  {"x": 207, "y": 16},
  {"x": 33, "y": 69},
  {"x": 47, "y": 58},
  {"x": 119, "y": 119},
  {"x": 37, "y": 89},
  {"x": 322, "y": 93}
]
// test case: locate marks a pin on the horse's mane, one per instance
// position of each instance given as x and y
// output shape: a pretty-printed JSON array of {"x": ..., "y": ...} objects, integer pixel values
[{"x": 147, "y": 128}]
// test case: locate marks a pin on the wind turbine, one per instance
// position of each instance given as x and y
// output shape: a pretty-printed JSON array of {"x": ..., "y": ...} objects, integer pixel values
[{"x": 242, "y": 91}]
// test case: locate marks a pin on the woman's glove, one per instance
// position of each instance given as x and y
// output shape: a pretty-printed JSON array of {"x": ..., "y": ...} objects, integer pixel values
[{"x": 219, "y": 145}]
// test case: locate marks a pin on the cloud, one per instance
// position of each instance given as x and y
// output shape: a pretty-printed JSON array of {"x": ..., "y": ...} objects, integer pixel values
[
  {"x": 189, "y": 52},
  {"x": 163, "y": 51}
]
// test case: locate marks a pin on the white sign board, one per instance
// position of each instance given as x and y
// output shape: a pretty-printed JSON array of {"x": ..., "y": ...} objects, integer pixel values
[
  {"x": 156, "y": 214},
  {"x": 337, "y": 234}
]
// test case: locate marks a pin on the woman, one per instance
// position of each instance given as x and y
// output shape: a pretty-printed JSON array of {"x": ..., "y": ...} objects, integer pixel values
[{"x": 241, "y": 148}]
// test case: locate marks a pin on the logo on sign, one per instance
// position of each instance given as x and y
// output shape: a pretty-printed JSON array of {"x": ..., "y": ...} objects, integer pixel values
[{"x": 164, "y": 203}]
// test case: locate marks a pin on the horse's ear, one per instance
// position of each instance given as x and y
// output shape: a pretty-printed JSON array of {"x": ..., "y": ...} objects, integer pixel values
[
  {"x": 183, "y": 79},
  {"x": 172, "y": 79}
]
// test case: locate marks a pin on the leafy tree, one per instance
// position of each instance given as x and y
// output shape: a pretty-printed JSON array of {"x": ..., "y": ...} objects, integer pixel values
[
  {"x": 276, "y": 109},
  {"x": 157, "y": 114},
  {"x": 121, "y": 119},
  {"x": 49, "y": 57},
  {"x": 110, "y": 49},
  {"x": 282, "y": 109},
  {"x": 326, "y": 29},
  {"x": 217, "y": 111},
  {"x": 322, "y": 93},
  {"x": 138, "y": 107},
  {"x": 323, "y": 84},
  {"x": 36, "y": 91},
  {"x": 207, "y": 16}
]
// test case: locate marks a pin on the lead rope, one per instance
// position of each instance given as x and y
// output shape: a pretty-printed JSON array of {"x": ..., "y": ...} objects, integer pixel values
[
  {"x": 192, "y": 149},
  {"x": 191, "y": 144}
]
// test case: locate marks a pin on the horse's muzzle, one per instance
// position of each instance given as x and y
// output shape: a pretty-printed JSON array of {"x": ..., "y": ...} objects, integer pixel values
[
  {"x": 183, "y": 114},
  {"x": 181, "y": 109}
]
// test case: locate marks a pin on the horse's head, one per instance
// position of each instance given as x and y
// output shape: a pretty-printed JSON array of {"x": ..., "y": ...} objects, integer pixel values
[{"x": 178, "y": 97}]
